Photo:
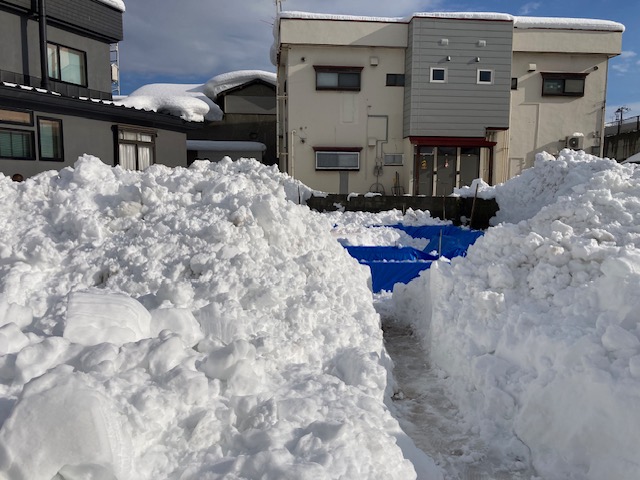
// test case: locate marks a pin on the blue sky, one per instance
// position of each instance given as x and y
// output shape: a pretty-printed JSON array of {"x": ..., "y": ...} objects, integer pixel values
[{"x": 190, "y": 41}]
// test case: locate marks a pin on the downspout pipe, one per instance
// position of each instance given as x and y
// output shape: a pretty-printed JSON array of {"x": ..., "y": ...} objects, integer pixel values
[{"x": 42, "y": 16}]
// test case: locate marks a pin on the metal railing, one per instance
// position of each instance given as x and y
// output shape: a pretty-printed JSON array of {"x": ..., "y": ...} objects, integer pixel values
[{"x": 65, "y": 89}]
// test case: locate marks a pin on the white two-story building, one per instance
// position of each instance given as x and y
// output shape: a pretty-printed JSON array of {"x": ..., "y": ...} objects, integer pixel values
[{"x": 424, "y": 104}]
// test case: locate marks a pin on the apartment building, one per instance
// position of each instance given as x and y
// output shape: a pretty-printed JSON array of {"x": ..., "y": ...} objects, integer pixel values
[
  {"x": 55, "y": 92},
  {"x": 425, "y": 104}
]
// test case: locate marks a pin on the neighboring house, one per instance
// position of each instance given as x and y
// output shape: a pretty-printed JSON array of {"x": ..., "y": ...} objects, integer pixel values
[
  {"x": 247, "y": 99},
  {"x": 235, "y": 114},
  {"x": 424, "y": 104},
  {"x": 55, "y": 92}
]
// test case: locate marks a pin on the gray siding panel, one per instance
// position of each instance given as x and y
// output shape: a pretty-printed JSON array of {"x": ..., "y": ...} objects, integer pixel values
[
  {"x": 87, "y": 16},
  {"x": 460, "y": 107}
]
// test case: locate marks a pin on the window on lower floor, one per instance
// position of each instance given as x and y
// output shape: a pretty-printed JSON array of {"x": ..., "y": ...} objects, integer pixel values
[
  {"x": 338, "y": 78},
  {"x": 337, "y": 160},
  {"x": 393, "y": 158},
  {"x": 136, "y": 148},
  {"x": 50, "y": 139},
  {"x": 563, "y": 84},
  {"x": 16, "y": 117},
  {"x": 16, "y": 144},
  {"x": 67, "y": 64}
]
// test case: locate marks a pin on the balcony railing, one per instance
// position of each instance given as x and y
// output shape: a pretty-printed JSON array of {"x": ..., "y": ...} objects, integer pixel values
[{"x": 65, "y": 89}]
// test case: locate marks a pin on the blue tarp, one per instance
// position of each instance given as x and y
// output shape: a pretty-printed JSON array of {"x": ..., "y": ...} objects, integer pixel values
[
  {"x": 391, "y": 265},
  {"x": 389, "y": 254}
]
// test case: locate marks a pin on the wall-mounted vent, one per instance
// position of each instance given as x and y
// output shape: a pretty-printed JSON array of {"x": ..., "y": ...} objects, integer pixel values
[{"x": 575, "y": 142}]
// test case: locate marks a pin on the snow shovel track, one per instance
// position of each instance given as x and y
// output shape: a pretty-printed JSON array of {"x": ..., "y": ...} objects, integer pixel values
[{"x": 428, "y": 416}]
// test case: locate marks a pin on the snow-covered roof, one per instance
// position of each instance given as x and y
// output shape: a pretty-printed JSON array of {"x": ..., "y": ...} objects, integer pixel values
[
  {"x": 518, "y": 22},
  {"x": 225, "y": 146},
  {"x": 192, "y": 102},
  {"x": 117, "y": 4},
  {"x": 227, "y": 81},
  {"x": 187, "y": 101}
]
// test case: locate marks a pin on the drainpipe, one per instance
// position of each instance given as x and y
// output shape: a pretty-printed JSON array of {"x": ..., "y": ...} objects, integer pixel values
[{"x": 43, "y": 45}]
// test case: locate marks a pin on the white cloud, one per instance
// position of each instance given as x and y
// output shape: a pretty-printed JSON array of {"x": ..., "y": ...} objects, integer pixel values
[
  {"x": 202, "y": 38},
  {"x": 529, "y": 8},
  {"x": 625, "y": 54}
]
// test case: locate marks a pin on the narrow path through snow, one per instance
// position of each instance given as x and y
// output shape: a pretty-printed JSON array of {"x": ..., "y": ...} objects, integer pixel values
[{"x": 428, "y": 416}]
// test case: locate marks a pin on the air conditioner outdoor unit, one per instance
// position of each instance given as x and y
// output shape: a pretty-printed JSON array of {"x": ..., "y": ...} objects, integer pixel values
[{"x": 575, "y": 142}]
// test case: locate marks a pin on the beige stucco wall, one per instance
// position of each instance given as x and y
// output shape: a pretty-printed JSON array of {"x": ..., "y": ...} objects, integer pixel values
[
  {"x": 542, "y": 123},
  {"x": 332, "y": 32},
  {"x": 567, "y": 41},
  {"x": 370, "y": 119}
]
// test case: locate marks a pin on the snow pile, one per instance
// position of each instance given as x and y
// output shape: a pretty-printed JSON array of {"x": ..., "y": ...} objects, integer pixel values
[
  {"x": 117, "y": 4},
  {"x": 186, "y": 101},
  {"x": 538, "y": 327},
  {"x": 186, "y": 324},
  {"x": 227, "y": 81}
]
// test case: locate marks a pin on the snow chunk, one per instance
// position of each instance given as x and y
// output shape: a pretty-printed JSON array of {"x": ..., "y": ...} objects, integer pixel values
[
  {"x": 97, "y": 316},
  {"x": 83, "y": 424}
]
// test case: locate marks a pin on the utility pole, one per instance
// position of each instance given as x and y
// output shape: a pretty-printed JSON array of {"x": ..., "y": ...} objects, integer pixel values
[{"x": 620, "y": 113}]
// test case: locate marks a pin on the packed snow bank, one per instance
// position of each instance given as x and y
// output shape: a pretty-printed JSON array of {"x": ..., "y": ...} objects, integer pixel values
[
  {"x": 186, "y": 324},
  {"x": 538, "y": 326}
]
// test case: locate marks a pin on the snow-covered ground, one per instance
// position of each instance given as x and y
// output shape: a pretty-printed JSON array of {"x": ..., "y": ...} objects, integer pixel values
[{"x": 199, "y": 324}]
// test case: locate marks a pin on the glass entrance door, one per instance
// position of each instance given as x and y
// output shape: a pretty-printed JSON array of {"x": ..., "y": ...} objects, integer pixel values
[{"x": 424, "y": 164}]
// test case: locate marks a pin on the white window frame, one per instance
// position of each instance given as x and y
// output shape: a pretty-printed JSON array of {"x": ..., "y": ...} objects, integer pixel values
[
  {"x": 390, "y": 157},
  {"x": 432, "y": 80},
  {"x": 337, "y": 166},
  {"x": 479, "y": 71}
]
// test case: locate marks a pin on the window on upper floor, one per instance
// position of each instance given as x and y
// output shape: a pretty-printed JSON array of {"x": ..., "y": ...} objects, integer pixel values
[
  {"x": 563, "y": 84},
  {"x": 16, "y": 144},
  {"x": 395, "y": 79},
  {"x": 338, "y": 78},
  {"x": 438, "y": 75},
  {"x": 136, "y": 148},
  {"x": 50, "y": 139},
  {"x": 338, "y": 159},
  {"x": 484, "y": 77},
  {"x": 67, "y": 64}
]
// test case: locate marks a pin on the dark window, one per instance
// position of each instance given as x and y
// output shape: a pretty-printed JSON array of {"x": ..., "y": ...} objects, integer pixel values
[
  {"x": 16, "y": 117},
  {"x": 564, "y": 84},
  {"x": 67, "y": 64},
  {"x": 136, "y": 148},
  {"x": 514, "y": 83},
  {"x": 337, "y": 160},
  {"x": 395, "y": 79},
  {"x": 50, "y": 139},
  {"x": 485, "y": 76},
  {"x": 338, "y": 78},
  {"x": 439, "y": 75},
  {"x": 16, "y": 144}
]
